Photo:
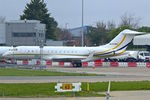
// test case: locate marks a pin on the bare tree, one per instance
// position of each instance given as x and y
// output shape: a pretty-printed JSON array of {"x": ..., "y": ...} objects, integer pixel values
[
  {"x": 129, "y": 20},
  {"x": 66, "y": 35},
  {"x": 63, "y": 34},
  {"x": 101, "y": 32},
  {"x": 98, "y": 34},
  {"x": 111, "y": 25},
  {"x": 101, "y": 26}
]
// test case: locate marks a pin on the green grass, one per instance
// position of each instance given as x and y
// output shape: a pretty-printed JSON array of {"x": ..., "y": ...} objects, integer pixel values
[
  {"x": 47, "y": 89},
  {"x": 28, "y": 72},
  {"x": 38, "y": 90},
  {"x": 119, "y": 86}
]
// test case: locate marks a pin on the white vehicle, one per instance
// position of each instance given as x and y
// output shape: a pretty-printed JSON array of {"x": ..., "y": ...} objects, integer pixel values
[
  {"x": 143, "y": 55},
  {"x": 76, "y": 54},
  {"x": 134, "y": 56}
]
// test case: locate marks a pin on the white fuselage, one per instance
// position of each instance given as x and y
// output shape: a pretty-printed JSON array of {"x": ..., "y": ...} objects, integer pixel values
[{"x": 52, "y": 52}]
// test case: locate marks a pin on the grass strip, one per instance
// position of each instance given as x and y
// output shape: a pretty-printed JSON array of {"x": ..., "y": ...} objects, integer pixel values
[
  {"x": 28, "y": 72},
  {"x": 47, "y": 89}
]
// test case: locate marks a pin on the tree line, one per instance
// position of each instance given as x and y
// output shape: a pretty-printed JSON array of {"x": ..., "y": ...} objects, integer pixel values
[{"x": 100, "y": 34}]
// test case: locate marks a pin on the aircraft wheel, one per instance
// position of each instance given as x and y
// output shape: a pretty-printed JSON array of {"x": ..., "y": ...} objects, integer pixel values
[{"x": 77, "y": 64}]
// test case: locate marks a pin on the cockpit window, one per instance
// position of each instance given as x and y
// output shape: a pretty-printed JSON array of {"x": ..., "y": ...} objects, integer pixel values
[{"x": 141, "y": 54}]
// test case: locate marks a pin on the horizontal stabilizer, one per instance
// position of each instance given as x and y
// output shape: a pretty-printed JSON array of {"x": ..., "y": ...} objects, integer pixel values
[{"x": 127, "y": 31}]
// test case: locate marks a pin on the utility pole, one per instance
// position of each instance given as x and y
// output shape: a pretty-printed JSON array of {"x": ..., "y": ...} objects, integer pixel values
[
  {"x": 82, "y": 23},
  {"x": 41, "y": 54}
]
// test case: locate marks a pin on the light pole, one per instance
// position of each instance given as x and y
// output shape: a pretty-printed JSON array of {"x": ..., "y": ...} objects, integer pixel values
[
  {"x": 41, "y": 54},
  {"x": 82, "y": 23}
]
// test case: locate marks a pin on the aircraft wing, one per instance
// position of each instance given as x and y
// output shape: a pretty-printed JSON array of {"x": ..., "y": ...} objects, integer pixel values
[{"x": 89, "y": 58}]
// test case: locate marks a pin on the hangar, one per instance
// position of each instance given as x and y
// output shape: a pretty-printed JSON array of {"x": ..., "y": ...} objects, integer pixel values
[
  {"x": 142, "y": 40},
  {"x": 21, "y": 32}
]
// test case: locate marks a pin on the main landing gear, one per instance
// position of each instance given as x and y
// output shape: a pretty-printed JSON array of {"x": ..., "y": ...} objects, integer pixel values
[{"x": 77, "y": 64}]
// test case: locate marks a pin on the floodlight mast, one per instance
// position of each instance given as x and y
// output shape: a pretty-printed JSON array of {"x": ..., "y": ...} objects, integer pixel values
[
  {"x": 41, "y": 54},
  {"x": 82, "y": 23}
]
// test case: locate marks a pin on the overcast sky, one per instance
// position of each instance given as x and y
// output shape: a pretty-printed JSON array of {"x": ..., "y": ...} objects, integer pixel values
[{"x": 69, "y": 11}]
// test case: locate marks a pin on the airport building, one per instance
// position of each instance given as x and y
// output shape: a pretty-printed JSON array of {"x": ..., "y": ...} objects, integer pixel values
[
  {"x": 22, "y": 32},
  {"x": 54, "y": 43},
  {"x": 77, "y": 32},
  {"x": 2, "y": 33}
]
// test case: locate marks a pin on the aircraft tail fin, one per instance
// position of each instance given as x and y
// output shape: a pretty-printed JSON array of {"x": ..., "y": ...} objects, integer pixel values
[{"x": 122, "y": 40}]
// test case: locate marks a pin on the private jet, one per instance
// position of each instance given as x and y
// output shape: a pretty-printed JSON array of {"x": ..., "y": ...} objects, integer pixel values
[{"x": 76, "y": 55}]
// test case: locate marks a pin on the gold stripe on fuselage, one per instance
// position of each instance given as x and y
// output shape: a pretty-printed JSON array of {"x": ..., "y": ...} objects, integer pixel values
[
  {"x": 107, "y": 56},
  {"x": 113, "y": 47}
]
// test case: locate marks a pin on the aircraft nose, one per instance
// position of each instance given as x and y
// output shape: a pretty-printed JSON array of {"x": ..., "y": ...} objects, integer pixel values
[{"x": 5, "y": 54}]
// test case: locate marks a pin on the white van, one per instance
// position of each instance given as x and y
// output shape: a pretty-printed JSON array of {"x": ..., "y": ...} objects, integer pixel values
[{"x": 145, "y": 55}]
